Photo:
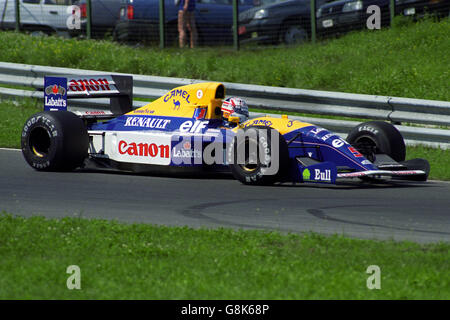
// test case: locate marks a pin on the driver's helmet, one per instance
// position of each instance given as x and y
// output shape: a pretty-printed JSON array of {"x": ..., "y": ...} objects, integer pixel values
[{"x": 235, "y": 107}]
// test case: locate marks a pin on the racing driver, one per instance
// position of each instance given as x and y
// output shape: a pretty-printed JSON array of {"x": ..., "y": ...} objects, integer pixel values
[{"x": 234, "y": 107}]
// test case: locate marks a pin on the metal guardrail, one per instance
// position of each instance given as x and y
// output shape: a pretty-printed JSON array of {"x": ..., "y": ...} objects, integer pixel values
[{"x": 397, "y": 110}]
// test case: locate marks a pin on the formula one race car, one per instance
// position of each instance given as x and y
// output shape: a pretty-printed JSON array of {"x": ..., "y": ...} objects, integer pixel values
[{"x": 185, "y": 130}]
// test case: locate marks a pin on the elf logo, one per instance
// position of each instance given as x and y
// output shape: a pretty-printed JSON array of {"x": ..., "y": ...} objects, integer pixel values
[{"x": 193, "y": 127}]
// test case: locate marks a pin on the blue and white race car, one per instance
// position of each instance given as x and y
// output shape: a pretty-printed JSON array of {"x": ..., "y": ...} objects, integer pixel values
[{"x": 186, "y": 129}]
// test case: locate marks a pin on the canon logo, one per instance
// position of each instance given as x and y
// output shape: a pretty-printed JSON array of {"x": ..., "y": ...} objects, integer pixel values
[
  {"x": 144, "y": 149},
  {"x": 89, "y": 85}
]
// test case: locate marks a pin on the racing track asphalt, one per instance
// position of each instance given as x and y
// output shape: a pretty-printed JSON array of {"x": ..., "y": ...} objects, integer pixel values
[{"x": 402, "y": 211}]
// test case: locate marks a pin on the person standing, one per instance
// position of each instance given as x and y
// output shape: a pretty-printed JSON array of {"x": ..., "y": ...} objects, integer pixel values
[{"x": 186, "y": 19}]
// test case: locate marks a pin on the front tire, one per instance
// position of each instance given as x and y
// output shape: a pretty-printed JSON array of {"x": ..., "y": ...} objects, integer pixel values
[
  {"x": 54, "y": 141},
  {"x": 374, "y": 137},
  {"x": 260, "y": 167}
]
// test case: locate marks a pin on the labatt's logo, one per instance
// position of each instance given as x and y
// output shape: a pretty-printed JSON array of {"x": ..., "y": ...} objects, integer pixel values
[
  {"x": 186, "y": 152},
  {"x": 54, "y": 90},
  {"x": 52, "y": 102}
]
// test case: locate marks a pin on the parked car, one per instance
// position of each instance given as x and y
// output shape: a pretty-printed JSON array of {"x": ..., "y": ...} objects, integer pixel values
[
  {"x": 104, "y": 15},
  {"x": 282, "y": 21},
  {"x": 139, "y": 20},
  {"x": 38, "y": 16},
  {"x": 346, "y": 15},
  {"x": 418, "y": 8}
]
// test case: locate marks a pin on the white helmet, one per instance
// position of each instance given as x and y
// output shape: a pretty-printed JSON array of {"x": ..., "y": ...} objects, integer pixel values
[{"x": 235, "y": 107}]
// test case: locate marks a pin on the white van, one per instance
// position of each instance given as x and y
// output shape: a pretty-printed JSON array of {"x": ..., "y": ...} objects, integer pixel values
[{"x": 47, "y": 16}]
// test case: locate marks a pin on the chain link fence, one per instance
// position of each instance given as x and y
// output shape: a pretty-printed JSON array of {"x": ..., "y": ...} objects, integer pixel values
[{"x": 232, "y": 23}]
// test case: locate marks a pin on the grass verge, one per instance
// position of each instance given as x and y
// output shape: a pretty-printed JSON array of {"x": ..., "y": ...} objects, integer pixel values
[
  {"x": 14, "y": 114},
  {"x": 138, "y": 261},
  {"x": 406, "y": 61}
]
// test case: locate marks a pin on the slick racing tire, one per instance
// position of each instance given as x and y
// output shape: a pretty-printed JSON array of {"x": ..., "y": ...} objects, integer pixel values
[
  {"x": 54, "y": 141},
  {"x": 374, "y": 137},
  {"x": 255, "y": 160}
]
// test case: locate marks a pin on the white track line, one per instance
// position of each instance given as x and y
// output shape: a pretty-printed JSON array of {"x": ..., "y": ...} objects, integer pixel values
[{"x": 10, "y": 149}]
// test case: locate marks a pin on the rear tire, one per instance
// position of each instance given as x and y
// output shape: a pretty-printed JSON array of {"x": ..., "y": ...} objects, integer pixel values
[
  {"x": 256, "y": 173},
  {"x": 374, "y": 137},
  {"x": 55, "y": 141}
]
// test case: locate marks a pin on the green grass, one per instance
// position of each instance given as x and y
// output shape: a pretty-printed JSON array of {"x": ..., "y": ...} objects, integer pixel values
[
  {"x": 14, "y": 114},
  {"x": 439, "y": 160},
  {"x": 138, "y": 261},
  {"x": 407, "y": 61}
]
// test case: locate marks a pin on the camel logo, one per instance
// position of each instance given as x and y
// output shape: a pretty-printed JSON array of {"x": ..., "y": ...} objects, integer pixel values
[
  {"x": 306, "y": 175},
  {"x": 176, "y": 105},
  {"x": 177, "y": 93}
]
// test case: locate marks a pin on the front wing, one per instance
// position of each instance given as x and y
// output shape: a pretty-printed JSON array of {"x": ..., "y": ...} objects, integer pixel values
[{"x": 381, "y": 173}]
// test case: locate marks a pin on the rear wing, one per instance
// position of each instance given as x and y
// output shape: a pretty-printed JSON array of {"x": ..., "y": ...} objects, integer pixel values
[{"x": 118, "y": 88}]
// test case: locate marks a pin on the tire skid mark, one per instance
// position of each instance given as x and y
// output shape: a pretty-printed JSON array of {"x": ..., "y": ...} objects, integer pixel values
[
  {"x": 320, "y": 214},
  {"x": 196, "y": 212}
]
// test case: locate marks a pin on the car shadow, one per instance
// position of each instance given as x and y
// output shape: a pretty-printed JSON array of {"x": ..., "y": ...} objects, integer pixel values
[
  {"x": 175, "y": 174},
  {"x": 360, "y": 185},
  {"x": 200, "y": 174}
]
